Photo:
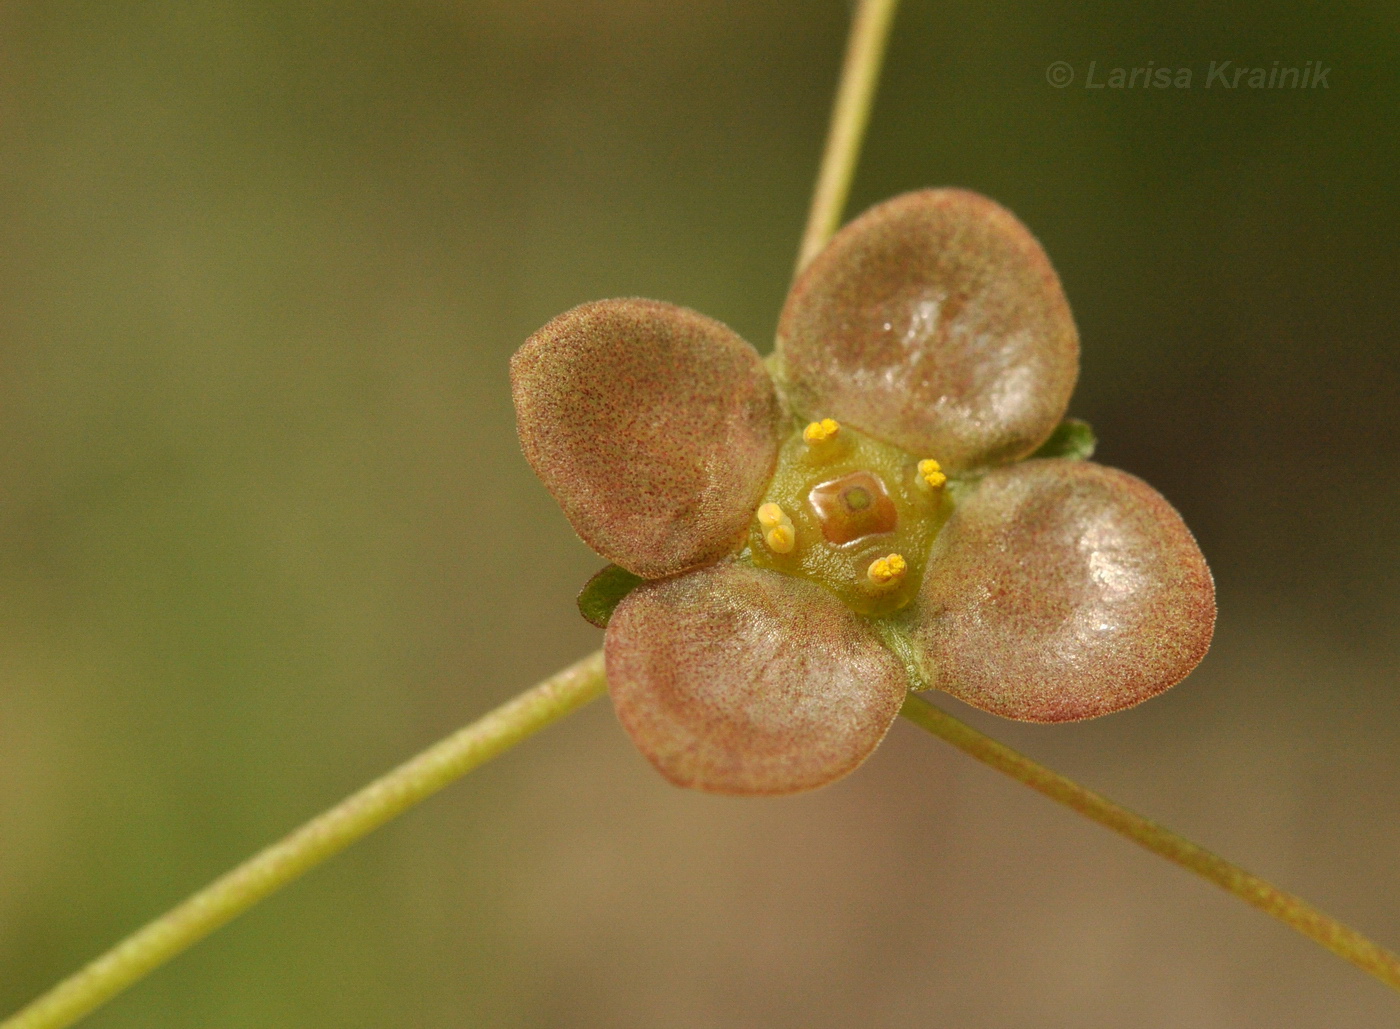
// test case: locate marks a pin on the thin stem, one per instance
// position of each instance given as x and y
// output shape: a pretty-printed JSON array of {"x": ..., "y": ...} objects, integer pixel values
[
  {"x": 511, "y": 723},
  {"x": 331, "y": 832},
  {"x": 865, "y": 52},
  {"x": 563, "y": 693},
  {"x": 1288, "y": 909},
  {"x": 324, "y": 836}
]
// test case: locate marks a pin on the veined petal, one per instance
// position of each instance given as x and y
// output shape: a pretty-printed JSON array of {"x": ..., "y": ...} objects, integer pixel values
[
  {"x": 653, "y": 426},
  {"x": 1062, "y": 590},
  {"x": 737, "y": 680},
  {"x": 935, "y": 322}
]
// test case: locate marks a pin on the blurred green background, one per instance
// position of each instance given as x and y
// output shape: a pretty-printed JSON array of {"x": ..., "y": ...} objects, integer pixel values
[{"x": 265, "y": 529}]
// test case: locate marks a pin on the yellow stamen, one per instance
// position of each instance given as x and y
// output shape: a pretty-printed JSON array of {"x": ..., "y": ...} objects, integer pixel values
[
  {"x": 770, "y": 515},
  {"x": 778, "y": 531},
  {"x": 821, "y": 432},
  {"x": 781, "y": 539},
  {"x": 931, "y": 472},
  {"x": 887, "y": 571}
]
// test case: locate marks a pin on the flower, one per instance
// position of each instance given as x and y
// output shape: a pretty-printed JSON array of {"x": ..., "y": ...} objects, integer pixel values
[{"x": 814, "y": 535}]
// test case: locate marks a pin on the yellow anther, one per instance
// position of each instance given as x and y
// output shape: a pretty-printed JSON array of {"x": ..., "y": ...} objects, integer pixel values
[
  {"x": 887, "y": 571},
  {"x": 931, "y": 472},
  {"x": 770, "y": 515},
  {"x": 781, "y": 539},
  {"x": 821, "y": 432},
  {"x": 778, "y": 531}
]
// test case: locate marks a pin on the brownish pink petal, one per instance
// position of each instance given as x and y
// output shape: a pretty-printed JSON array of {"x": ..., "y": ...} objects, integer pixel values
[
  {"x": 934, "y": 321},
  {"x": 653, "y": 426},
  {"x": 1062, "y": 590},
  {"x": 738, "y": 680}
]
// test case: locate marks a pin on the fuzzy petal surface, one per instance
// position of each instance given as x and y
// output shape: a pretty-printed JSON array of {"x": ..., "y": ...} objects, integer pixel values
[
  {"x": 934, "y": 321},
  {"x": 1062, "y": 590},
  {"x": 738, "y": 680},
  {"x": 653, "y": 426}
]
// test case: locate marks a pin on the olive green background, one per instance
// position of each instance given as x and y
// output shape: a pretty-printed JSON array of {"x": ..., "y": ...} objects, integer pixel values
[{"x": 265, "y": 529}]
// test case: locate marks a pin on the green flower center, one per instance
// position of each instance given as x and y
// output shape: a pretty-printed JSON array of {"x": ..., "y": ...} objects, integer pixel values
[{"x": 852, "y": 514}]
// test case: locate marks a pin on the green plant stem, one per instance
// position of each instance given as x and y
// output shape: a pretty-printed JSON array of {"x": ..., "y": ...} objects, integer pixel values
[
  {"x": 323, "y": 837},
  {"x": 417, "y": 779},
  {"x": 420, "y": 777},
  {"x": 1290, "y": 910},
  {"x": 855, "y": 96},
  {"x": 329, "y": 833}
]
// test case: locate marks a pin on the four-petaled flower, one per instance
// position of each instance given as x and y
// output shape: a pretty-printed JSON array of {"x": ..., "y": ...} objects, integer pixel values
[{"x": 856, "y": 518}]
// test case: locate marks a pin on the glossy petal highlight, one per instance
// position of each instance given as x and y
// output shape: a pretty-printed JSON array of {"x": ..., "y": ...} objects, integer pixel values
[
  {"x": 653, "y": 426},
  {"x": 934, "y": 321},
  {"x": 1062, "y": 590},
  {"x": 737, "y": 680}
]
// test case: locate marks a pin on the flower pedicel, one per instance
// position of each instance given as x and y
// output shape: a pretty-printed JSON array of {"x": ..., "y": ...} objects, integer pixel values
[{"x": 865, "y": 513}]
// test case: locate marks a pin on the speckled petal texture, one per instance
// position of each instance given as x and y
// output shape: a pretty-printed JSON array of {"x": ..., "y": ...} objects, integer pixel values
[
  {"x": 934, "y": 321},
  {"x": 653, "y": 426},
  {"x": 1062, "y": 590},
  {"x": 737, "y": 680}
]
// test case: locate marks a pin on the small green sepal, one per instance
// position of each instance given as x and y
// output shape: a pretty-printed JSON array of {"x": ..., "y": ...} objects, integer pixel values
[
  {"x": 1072, "y": 439},
  {"x": 602, "y": 593}
]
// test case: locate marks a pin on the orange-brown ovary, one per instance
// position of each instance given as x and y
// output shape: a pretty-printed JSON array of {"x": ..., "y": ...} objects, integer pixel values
[{"x": 853, "y": 507}]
